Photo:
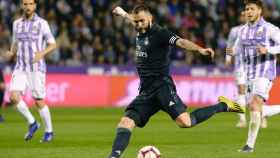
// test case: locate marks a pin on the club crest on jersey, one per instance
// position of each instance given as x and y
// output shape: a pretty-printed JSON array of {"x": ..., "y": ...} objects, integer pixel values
[
  {"x": 146, "y": 41},
  {"x": 140, "y": 52},
  {"x": 260, "y": 31},
  {"x": 34, "y": 28}
]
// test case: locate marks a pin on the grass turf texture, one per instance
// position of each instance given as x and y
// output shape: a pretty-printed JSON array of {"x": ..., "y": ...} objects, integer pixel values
[{"x": 88, "y": 133}]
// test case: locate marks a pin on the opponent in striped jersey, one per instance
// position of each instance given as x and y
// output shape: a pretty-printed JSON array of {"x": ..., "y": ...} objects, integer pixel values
[
  {"x": 254, "y": 37},
  {"x": 230, "y": 44},
  {"x": 239, "y": 68},
  {"x": 31, "y": 36},
  {"x": 258, "y": 41},
  {"x": 240, "y": 77},
  {"x": 32, "y": 41}
]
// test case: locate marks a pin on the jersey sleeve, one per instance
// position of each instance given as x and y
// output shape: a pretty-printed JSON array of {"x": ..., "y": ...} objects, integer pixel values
[
  {"x": 168, "y": 37},
  {"x": 232, "y": 37},
  {"x": 275, "y": 37},
  {"x": 47, "y": 34},
  {"x": 14, "y": 33},
  {"x": 238, "y": 47}
]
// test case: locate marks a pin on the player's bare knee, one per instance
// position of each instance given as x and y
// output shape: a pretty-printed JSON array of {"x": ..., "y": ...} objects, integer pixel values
[
  {"x": 126, "y": 122},
  {"x": 256, "y": 103},
  {"x": 184, "y": 124},
  {"x": 184, "y": 121},
  {"x": 40, "y": 103},
  {"x": 241, "y": 89},
  {"x": 2, "y": 87},
  {"x": 254, "y": 106},
  {"x": 14, "y": 98}
]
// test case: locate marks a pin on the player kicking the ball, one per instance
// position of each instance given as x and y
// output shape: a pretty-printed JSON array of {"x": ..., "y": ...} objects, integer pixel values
[{"x": 157, "y": 89}]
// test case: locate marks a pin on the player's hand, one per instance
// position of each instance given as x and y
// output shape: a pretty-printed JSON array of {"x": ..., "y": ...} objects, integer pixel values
[
  {"x": 38, "y": 57},
  {"x": 228, "y": 63},
  {"x": 207, "y": 51},
  {"x": 119, "y": 11},
  {"x": 229, "y": 51},
  {"x": 261, "y": 49},
  {"x": 8, "y": 55}
]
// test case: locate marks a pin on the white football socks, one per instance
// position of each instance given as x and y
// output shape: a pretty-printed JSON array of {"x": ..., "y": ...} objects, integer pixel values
[
  {"x": 46, "y": 117},
  {"x": 241, "y": 100},
  {"x": 23, "y": 109},
  {"x": 254, "y": 126}
]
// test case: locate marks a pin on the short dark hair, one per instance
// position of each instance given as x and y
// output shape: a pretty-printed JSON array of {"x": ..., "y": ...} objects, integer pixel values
[
  {"x": 259, "y": 3},
  {"x": 35, "y": 1},
  {"x": 141, "y": 7}
]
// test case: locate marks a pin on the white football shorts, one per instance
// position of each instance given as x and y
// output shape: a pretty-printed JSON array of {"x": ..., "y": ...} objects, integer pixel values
[
  {"x": 34, "y": 81},
  {"x": 260, "y": 87},
  {"x": 240, "y": 75}
]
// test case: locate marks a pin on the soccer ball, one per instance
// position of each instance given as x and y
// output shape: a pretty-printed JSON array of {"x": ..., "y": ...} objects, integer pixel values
[{"x": 148, "y": 152}]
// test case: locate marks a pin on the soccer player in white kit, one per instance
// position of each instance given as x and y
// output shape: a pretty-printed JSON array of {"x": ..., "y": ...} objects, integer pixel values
[
  {"x": 258, "y": 41},
  {"x": 32, "y": 41},
  {"x": 240, "y": 77},
  {"x": 239, "y": 68}
]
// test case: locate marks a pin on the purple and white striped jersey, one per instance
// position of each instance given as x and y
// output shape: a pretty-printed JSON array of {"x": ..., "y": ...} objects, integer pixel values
[
  {"x": 233, "y": 34},
  {"x": 250, "y": 36},
  {"x": 31, "y": 36},
  {"x": 232, "y": 38}
]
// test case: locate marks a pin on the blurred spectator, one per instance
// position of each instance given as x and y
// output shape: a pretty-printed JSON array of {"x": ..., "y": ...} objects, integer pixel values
[{"x": 88, "y": 34}]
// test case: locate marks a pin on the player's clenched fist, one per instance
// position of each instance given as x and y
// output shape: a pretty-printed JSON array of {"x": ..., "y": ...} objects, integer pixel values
[
  {"x": 207, "y": 51},
  {"x": 119, "y": 11},
  {"x": 229, "y": 51},
  {"x": 8, "y": 55}
]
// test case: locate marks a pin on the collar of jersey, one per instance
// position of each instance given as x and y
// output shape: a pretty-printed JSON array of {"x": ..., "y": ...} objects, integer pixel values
[
  {"x": 34, "y": 17},
  {"x": 148, "y": 31},
  {"x": 258, "y": 23}
]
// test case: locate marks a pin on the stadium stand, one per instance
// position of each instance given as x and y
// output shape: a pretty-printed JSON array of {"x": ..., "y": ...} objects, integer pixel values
[{"x": 87, "y": 33}]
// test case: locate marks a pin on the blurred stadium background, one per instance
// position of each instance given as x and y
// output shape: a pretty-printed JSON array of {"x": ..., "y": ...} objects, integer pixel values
[
  {"x": 93, "y": 67},
  {"x": 98, "y": 49}
]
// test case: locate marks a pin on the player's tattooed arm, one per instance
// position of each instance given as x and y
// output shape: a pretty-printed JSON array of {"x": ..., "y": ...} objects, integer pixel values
[
  {"x": 118, "y": 11},
  {"x": 190, "y": 46}
]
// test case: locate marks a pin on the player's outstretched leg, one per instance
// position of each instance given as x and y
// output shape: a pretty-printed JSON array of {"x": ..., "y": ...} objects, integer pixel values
[
  {"x": 122, "y": 138},
  {"x": 224, "y": 105},
  {"x": 203, "y": 114},
  {"x": 232, "y": 106}
]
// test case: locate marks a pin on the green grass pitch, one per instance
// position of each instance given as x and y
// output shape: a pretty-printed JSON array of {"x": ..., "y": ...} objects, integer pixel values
[{"x": 88, "y": 133}]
